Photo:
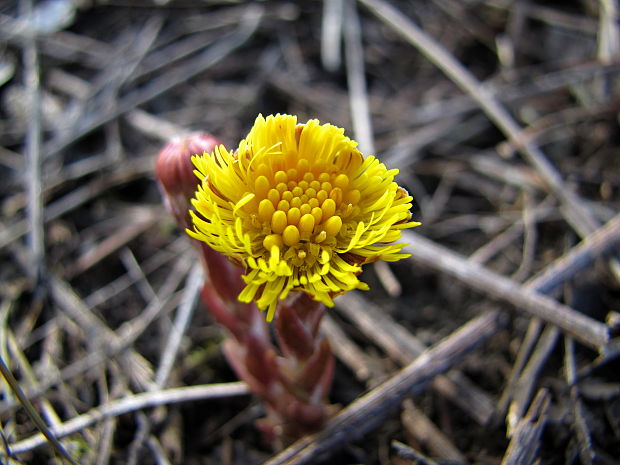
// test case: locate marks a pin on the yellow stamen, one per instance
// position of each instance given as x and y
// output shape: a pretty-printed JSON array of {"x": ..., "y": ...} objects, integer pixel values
[
  {"x": 272, "y": 240},
  {"x": 265, "y": 210},
  {"x": 293, "y": 215},
  {"x": 287, "y": 195},
  {"x": 306, "y": 223},
  {"x": 280, "y": 177},
  {"x": 261, "y": 187},
  {"x": 352, "y": 196},
  {"x": 332, "y": 226},
  {"x": 278, "y": 222},
  {"x": 341, "y": 181},
  {"x": 336, "y": 195},
  {"x": 273, "y": 196},
  {"x": 329, "y": 208},
  {"x": 318, "y": 214},
  {"x": 290, "y": 236}
]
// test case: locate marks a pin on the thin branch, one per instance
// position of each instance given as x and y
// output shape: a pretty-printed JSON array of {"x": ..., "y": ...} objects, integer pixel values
[
  {"x": 608, "y": 34},
  {"x": 133, "y": 404},
  {"x": 526, "y": 382},
  {"x": 356, "y": 79},
  {"x": 194, "y": 282},
  {"x": 524, "y": 445},
  {"x": 583, "y": 435},
  {"x": 426, "y": 432},
  {"x": 331, "y": 29},
  {"x": 34, "y": 159}
]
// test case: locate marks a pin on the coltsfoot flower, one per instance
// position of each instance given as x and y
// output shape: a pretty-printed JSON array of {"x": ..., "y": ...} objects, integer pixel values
[{"x": 300, "y": 208}]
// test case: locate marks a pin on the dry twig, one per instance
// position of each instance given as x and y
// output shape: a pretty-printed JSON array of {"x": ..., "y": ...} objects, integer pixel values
[{"x": 133, "y": 404}]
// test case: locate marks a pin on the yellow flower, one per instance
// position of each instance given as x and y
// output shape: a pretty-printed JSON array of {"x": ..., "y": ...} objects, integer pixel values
[{"x": 300, "y": 208}]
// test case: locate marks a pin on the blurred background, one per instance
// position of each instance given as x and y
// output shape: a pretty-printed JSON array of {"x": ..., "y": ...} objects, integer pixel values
[{"x": 502, "y": 116}]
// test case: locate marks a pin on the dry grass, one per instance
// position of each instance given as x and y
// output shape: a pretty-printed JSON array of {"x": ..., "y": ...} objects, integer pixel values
[{"x": 495, "y": 343}]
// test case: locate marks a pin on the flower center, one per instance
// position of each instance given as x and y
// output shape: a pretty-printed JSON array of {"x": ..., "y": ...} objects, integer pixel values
[{"x": 303, "y": 206}]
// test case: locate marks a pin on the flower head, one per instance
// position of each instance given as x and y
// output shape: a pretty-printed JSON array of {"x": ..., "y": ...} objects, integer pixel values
[{"x": 300, "y": 208}]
